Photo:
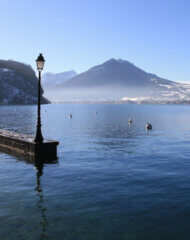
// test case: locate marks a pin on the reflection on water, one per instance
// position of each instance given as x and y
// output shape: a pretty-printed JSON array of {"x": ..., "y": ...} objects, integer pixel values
[
  {"x": 114, "y": 181},
  {"x": 39, "y": 165}
]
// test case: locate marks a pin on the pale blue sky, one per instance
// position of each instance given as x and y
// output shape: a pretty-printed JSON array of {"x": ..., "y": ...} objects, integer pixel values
[{"x": 78, "y": 34}]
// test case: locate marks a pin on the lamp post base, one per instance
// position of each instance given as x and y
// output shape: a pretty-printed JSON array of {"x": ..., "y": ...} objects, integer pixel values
[{"x": 38, "y": 138}]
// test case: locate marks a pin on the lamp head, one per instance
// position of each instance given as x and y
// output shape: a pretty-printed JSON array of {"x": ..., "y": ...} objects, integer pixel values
[{"x": 40, "y": 62}]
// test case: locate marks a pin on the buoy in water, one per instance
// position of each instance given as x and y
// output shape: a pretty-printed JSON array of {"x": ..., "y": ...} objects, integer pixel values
[
  {"x": 148, "y": 126},
  {"x": 130, "y": 120}
]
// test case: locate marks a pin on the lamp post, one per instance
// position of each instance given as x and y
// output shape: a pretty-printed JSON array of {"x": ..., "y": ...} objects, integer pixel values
[{"x": 40, "y": 65}]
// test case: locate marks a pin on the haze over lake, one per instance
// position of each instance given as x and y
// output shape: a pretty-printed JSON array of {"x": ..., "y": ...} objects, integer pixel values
[{"x": 112, "y": 180}]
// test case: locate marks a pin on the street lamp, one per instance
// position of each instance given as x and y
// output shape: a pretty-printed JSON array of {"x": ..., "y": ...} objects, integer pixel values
[{"x": 40, "y": 65}]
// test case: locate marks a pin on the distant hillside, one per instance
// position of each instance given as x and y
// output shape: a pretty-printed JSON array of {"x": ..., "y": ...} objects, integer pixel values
[
  {"x": 18, "y": 84},
  {"x": 115, "y": 73},
  {"x": 119, "y": 79},
  {"x": 54, "y": 80}
]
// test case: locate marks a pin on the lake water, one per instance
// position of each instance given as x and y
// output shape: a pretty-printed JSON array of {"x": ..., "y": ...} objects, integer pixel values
[{"x": 112, "y": 181}]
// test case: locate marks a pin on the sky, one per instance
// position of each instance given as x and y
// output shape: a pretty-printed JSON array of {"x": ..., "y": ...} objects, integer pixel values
[{"x": 79, "y": 34}]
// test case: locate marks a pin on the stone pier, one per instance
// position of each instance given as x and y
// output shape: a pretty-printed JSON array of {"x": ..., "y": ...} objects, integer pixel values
[{"x": 25, "y": 145}]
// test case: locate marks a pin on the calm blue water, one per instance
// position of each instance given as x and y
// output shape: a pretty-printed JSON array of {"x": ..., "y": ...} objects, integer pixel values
[{"x": 112, "y": 180}]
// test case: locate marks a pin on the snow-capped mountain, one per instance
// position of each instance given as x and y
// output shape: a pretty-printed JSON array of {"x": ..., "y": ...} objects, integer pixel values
[
  {"x": 18, "y": 84},
  {"x": 122, "y": 80}
]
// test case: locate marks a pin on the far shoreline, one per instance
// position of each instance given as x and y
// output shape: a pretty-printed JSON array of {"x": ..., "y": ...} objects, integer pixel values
[{"x": 171, "y": 102}]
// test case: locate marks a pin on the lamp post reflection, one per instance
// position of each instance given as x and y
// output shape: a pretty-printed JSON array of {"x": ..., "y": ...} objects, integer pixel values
[{"x": 39, "y": 192}]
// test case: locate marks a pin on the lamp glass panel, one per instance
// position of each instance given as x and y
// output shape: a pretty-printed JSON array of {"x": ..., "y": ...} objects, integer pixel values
[{"x": 40, "y": 65}]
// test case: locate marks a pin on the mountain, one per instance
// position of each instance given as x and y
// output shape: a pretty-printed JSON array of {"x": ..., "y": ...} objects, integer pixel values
[
  {"x": 112, "y": 73},
  {"x": 52, "y": 83},
  {"x": 18, "y": 84},
  {"x": 121, "y": 80},
  {"x": 54, "y": 80}
]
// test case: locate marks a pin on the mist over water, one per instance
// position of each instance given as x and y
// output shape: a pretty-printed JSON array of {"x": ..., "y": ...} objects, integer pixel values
[{"x": 103, "y": 93}]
